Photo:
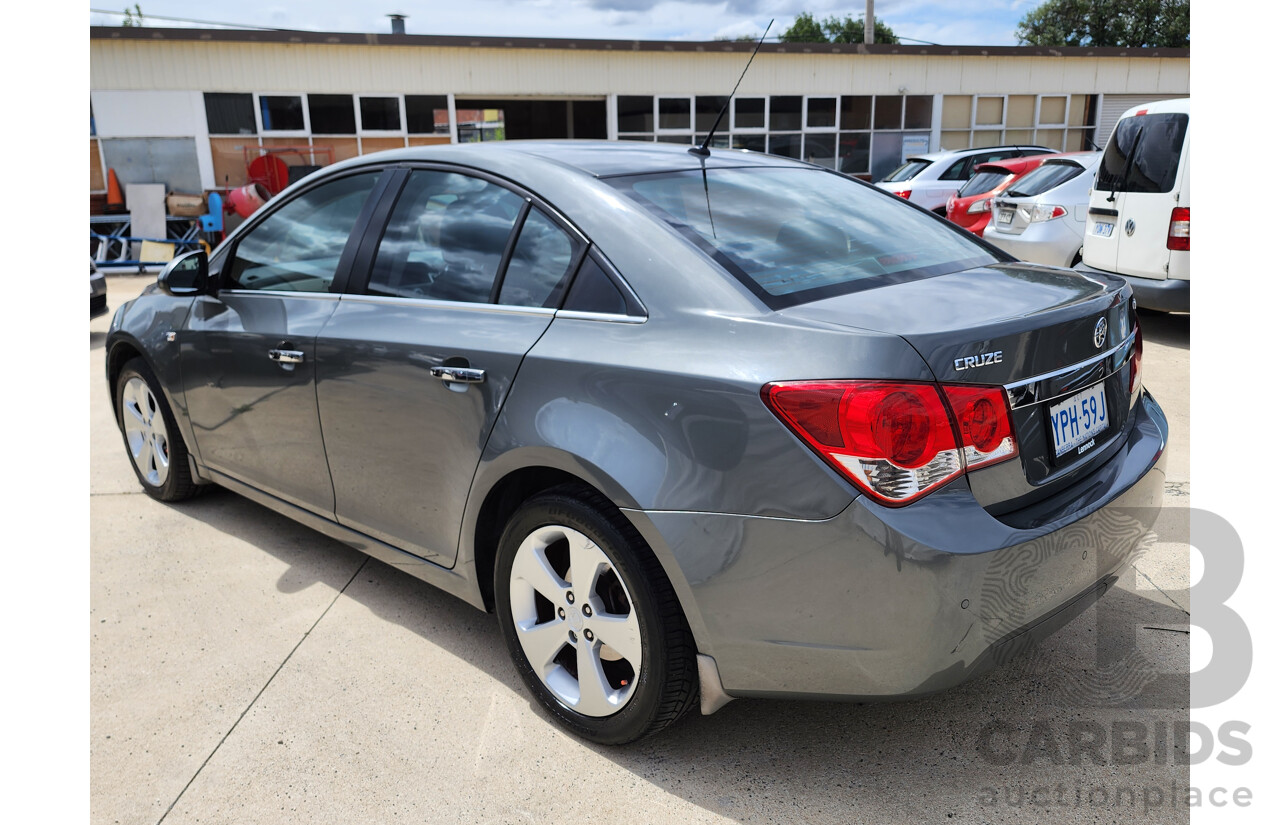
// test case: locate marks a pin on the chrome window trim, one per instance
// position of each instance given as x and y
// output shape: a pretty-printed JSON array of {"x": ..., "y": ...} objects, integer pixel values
[
  {"x": 281, "y": 293},
  {"x": 610, "y": 317},
  {"x": 435, "y": 303},
  {"x": 1038, "y": 389}
]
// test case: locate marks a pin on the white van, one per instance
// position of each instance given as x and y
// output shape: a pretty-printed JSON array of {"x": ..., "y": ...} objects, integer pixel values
[{"x": 1139, "y": 219}]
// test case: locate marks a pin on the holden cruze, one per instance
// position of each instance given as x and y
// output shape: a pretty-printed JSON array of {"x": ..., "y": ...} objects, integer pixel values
[{"x": 693, "y": 427}]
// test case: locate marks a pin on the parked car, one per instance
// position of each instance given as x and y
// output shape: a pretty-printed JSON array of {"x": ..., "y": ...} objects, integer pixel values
[
  {"x": 1040, "y": 217},
  {"x": 929, "y": 180},
  {"x": 693, "y": 427},
  {"x": 97, "y": 291},
  {"x": 1139, "y": 221},
  {"x": 971, "y": 206}
]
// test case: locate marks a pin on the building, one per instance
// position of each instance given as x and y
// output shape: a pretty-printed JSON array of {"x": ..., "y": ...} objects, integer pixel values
[{"x": 192, "y": 108}]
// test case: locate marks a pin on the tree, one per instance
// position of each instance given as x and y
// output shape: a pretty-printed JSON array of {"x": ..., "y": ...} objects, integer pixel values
[
  {"x": 1127, "y": 23},
  {"x": 132, "y": 17},
  {"x": 806, "y": 29}
]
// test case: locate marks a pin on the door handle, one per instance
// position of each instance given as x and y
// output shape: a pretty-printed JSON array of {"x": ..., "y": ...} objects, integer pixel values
[
  {"x": 461, "y": 375},
  {"x": 286, "y": 356}
]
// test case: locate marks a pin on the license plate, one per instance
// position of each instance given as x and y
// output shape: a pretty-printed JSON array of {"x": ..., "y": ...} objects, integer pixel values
[
  {"x": 1077, "y": 421},
  {"x": 1005, "y": 216},
  {"x": 1103, "y": 230}
]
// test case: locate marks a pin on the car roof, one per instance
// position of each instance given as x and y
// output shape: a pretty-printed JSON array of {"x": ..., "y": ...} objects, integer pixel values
[
  {"x": 959, "y": 153},
  {"x": 1013, "y": 165},
  {"x": 1155, "y": 107},
  {"x": 595, "y": 158}
]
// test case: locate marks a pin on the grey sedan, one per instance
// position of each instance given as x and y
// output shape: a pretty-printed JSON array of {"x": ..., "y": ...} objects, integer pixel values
[{"x": 694, "y": 428}]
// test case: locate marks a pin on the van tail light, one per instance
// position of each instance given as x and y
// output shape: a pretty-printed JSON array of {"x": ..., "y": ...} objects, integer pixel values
[
  {"x": 905, "y": 194},
  {"x": 897, "y": 441},
  {"x": 1135, "y": 361},
  {"x": 1180, "y": 229}
]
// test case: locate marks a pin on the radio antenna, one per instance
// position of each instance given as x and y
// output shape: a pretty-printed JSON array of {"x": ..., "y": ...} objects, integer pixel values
[{"x": 702, "y": 149}]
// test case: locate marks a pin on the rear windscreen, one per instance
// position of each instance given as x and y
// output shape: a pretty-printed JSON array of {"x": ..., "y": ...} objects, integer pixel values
[
  {"x": 982, "y": 182},
  {"x": 1143, "y": 154},
  {"x": 906, "y": 171},
  {"x": 1042, "y": 179},
  {"x": 794, "y": 235}
]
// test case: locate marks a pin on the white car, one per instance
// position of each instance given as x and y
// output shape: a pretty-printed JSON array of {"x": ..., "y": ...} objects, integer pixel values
[
  {"x": 1139, "y": 224},
  {"x": 929, "y": 180},
  {"x": 1041, "y": 217}
]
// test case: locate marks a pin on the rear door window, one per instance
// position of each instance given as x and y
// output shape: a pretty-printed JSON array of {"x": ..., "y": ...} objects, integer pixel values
[
  {"x": 906, "y": 171},
  {"x": 445, "y": 239},
  {"x": 1143, "y": 153}
]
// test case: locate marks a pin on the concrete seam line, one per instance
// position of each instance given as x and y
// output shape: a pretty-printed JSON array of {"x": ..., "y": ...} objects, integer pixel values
[
  {"x": 1162, "y": 593},
  {"x": 261, "y": 691}
]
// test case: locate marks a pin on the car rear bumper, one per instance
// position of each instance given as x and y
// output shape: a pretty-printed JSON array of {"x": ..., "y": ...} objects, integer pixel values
[
  {"x": 1051, "y": 243},
  {"x": 879, "y": 602},
  {"x": 97, "y": 295},
  {"x": 1168, "y": 295}
]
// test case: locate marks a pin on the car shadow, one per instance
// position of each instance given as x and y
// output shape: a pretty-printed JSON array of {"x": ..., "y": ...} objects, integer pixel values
[
  {"x": 1011, "y": 732},
  {"x": 97, "y": 340},
  {"x": 1173, "y": 329}
]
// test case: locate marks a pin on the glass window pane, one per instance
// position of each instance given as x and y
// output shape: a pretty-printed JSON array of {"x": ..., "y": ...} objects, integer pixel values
[
  {"x": 1053, "y": 110},
  {"x": 990, "y": 111},
  {"x": 281, "y": 114},
  {"x": 855, "y": 112},
  {"x": 822, "y": 112},
  {"x": 681, "y": 139},
  {"x": 820, "y": 150},
  {"x": 800, "y": 234},
  {"x": 886, "y": 153},
  {"x": 229, "y": 114},
  {"x": 748, "y": 113},
  {"x": 635, "y": 113},
  {"x": 705, "y": 111},
  {"x": 477, "y": 125},
  {"x": 784, "y": 113},
  {"x": 888, "y": 112},
  {"x": 919, "y": 112},
  {"x": 426, "y": 114},
  {"x": 955, "y": 140},
  {"x": 987, "y": 138},
  {"x": 539, "y": 264},
  {"x": 331, "y": 114},
  {"x": 1079, "y": 109},
  {"x": 1052, "y": 138},
  {"x": 855, "y": 153},
  {"x": 298, "y": 246},
  {"x": 1019, "y": 136},
  {"x": 956, "y": 111},
  {"x": 380, "y": 114},
  {"x": 673, "y": 113},
  {"x": 445, "y": 238},
  {"x": 594, "y": 291},
  {"x": 752, "y": 143},
  {"x": 786, "y": 145}
]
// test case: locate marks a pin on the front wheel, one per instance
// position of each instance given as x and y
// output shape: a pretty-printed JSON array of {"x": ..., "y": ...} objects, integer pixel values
[
  {"x": 591, "y": 620},
  {"x": 151, "y": 436}
]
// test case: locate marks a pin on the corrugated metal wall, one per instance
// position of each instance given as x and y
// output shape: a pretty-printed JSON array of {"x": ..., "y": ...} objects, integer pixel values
[{"x": 250, "y": 67}]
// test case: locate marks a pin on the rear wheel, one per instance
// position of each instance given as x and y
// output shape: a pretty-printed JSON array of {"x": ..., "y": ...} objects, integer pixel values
[
  {"x": 151, "y": 436},
  {"x": 591, "y": 620}
]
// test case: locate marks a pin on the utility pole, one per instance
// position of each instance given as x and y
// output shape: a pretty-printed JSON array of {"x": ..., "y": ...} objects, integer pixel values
[{"x": 869, "y": 34}]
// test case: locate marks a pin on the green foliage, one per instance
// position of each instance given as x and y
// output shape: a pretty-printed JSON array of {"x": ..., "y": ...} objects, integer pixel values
[
  {"x": 1126, "y": 23},
  {"x": 806, "y": 29},
  {"x": 132, "y": 17}
]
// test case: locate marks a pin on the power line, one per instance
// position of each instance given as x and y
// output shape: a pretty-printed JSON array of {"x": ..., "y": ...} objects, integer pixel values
[{"x": 186, "y": 20}]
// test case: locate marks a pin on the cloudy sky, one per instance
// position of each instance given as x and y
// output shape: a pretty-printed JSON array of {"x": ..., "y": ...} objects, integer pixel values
[{"x": 951, "y": 22}]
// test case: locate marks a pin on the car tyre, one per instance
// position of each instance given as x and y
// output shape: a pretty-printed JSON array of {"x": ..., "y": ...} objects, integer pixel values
[
  {"x": 151, "y": 436},
  {"x": 623, "y": 627}
]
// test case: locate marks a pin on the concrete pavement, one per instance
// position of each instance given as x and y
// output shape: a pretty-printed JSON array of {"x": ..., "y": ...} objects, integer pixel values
[{"x": 247, "y": 669}]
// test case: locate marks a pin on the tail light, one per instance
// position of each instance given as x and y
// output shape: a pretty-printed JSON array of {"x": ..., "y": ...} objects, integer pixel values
[
  {"x": 1180, "y": 229},
  {"x": 896, "y": 441},
  {"x": 1135, "y": 361},
  {"x": 1045, "y": 212},
  {"x": 905, "y": 194},
  {"x": 978, "y": 207}
]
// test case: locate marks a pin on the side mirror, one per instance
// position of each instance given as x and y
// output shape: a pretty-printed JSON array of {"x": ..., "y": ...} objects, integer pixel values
[{"x": 187, "y": 274}]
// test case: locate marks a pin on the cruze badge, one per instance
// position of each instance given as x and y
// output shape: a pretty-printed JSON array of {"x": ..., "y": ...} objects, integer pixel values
[{"x": 984, "y": 359}]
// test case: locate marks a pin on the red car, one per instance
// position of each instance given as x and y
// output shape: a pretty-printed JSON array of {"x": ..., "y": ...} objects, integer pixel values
[{"x": 971, "y": 206}]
